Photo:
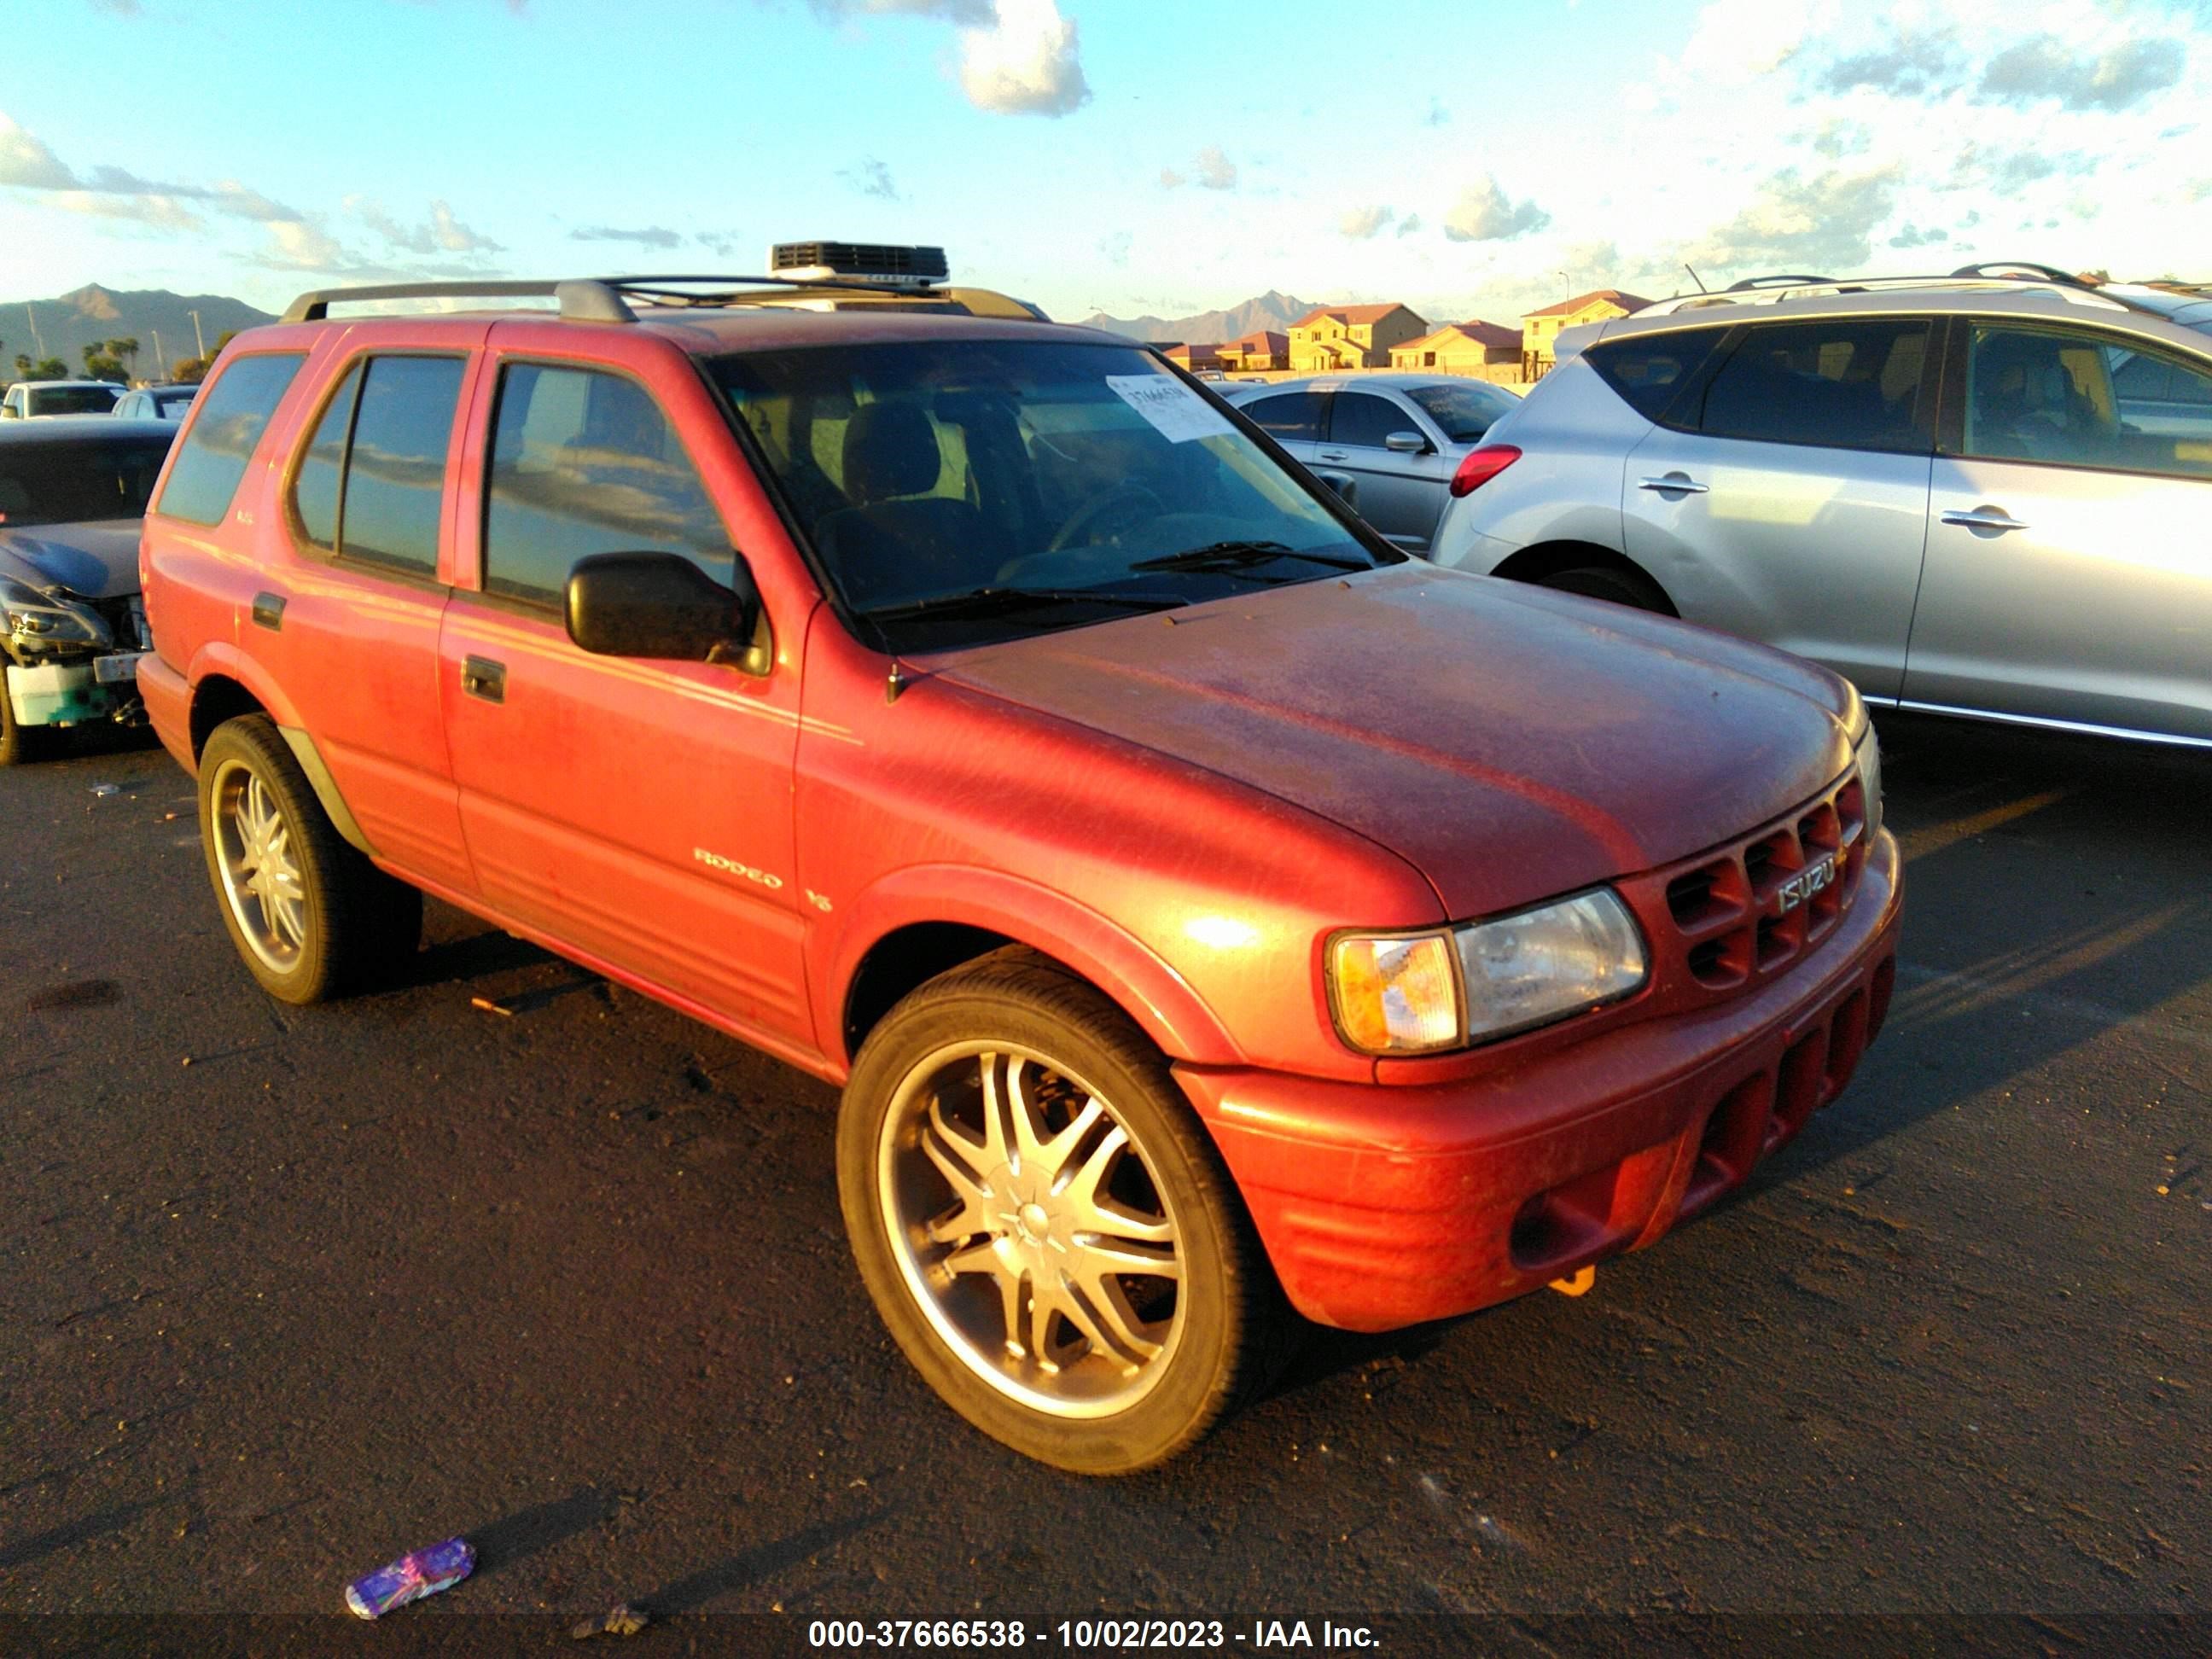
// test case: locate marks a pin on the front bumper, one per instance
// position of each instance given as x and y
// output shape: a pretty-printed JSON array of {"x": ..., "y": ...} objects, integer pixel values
[
  {"x": 71, "y": 693},
  {"x": 1381, "y": 1207}
]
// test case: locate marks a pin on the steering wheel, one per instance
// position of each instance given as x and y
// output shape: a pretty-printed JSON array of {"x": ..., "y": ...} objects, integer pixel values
[{"x": 1124, "y": 500}]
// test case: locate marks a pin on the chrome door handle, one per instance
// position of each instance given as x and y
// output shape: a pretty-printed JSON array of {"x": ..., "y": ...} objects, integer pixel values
[
  {"x": 1981, "y": 517},
  {"x": 1674, "y": 483}
]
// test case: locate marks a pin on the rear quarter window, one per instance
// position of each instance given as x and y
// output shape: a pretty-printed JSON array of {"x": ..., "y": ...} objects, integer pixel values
[
  {"x": 213, "y": 456},
  {"x": 1648, "y": 372}
]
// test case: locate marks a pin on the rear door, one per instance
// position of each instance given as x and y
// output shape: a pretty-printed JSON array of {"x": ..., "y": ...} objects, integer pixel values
[
  {"x": 1401, "y": 493},
  {"x": 348, "y": 623},
  {"x": 1295, "y": 420},
  {"x": 1786, "y": 497},
  {"x": 2069, "y": 547},
  {"x": 638, "y": 809}
]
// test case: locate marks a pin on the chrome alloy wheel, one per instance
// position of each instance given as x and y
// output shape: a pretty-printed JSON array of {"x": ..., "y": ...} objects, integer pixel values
[
  {"x": 1026, "y": 1221},
  {"x": 261, "y": 878}
]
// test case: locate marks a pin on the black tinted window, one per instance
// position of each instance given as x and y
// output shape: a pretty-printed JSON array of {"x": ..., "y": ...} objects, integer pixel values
[
  {"x": 1362, "y": 418},
  {"x": 223, "y": 436},
  {"x": 77, "y": 480},
  {"x": 586, "y": 462},
  {"x": 395, "y": 473},
  {"x": 315, "y": 486},
  {"x": 1649, "y": 372},
  {"x": 1290, "y": 417},
  {"x": 1843, "y": 383}
]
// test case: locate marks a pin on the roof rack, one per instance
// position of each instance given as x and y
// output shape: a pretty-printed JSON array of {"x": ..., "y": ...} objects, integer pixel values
[
  {"x": 585, "y": 299},
  {"x": 2002, "y": 275}
]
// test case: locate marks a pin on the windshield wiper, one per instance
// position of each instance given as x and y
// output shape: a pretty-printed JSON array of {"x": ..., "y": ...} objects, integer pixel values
[
  {"x": 997, "y": 601},
  {"x": 1234, "y": 555}
]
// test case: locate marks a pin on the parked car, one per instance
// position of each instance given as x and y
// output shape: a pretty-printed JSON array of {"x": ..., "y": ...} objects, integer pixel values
[
  {"x": 72, "y": 492},
  {"x": 39, "y": 400},
  {"x": 1398, "y": 439},
  {"x": 156, "y": 402},
  {"x": 1977, "y": 495},
  {"x": 1204, "y": 907}
]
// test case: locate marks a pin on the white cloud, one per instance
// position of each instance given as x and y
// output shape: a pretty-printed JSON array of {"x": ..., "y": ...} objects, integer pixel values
[
  {"x": 27, "y": 163},
  {"x": 296, "y": 244},
  {"x": 1362, "y": 224},
  {"x": 1484, "y": 213},
  {"x": 1739, "y": 40},
  {"x": 441, "y": 233},
  {"x": 658, "y": 236},
  {"x": 2043, "y": 66},
  {"x": 1027, "y": 61},
  {"x": 155, "y": 211},
  {"x": 1822, "y": 224},
  {"x": 871, "y": 178}
]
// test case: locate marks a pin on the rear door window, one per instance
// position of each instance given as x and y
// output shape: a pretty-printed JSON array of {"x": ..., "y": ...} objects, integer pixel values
[
  {"x": 395, "y": 477},
  {"x": 315, "y": 483},
  {"x": 1846, "y": 383},
  {"x": 1289, "y": 417},
  {"x": 213, "y": 454},
  {"x": 584, "y": 462}
]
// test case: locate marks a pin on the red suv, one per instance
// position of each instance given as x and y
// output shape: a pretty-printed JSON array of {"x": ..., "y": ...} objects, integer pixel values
[{"x": 1210, "y": 913}]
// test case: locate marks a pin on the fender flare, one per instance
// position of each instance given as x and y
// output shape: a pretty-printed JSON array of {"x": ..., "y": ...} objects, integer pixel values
[
  {"x": 221, "y": 657},
  {"x": 1150, "y": 991}
]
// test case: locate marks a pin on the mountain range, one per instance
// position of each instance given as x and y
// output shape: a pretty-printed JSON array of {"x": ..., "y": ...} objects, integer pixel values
[
  {"x": 62, "y": 327},
  {"x": 1271, "y": 311}
]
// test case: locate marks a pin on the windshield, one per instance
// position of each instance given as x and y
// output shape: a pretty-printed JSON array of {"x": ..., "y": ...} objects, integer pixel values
[
  {"x": 964, "y": 491},
  {"x": 172, "y": 405},
  {"x": 74, "y": 399},
  {"x": 1463, "y": 409},
  {"x": 73, "y": 483}
]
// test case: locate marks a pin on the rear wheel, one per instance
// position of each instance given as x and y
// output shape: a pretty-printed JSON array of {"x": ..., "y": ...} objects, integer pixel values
[
  {"x": 309, "y": 913},
  {"x": 1044, "y": 1226},
  {"x": 1600, "y": 581}
]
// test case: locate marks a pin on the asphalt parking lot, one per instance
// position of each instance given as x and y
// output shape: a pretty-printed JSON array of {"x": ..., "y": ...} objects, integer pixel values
[{"x": 287, "y": 1293}]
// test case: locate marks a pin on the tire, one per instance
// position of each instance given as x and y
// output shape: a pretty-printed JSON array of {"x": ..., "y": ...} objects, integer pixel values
[
  {"x": 1599, "y": 581},
  {"x": 1079, "y": 1390},
  {"x": 332, "y": 922},
  {"x": 18, "y": 744}
]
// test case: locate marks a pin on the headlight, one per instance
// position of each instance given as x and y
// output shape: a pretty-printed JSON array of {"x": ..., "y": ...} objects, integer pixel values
[
  {"x": 34, "y": 616},
  {"x": 1424, "y": 992},
  {"x": 1870, "y": 763}
]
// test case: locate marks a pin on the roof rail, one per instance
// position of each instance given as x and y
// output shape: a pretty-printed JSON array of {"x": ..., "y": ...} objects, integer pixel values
[
  {"x": 583, "y": 299},
  {"x": 2015, "y": 268},
  {"x": 1777, "y": 282}
]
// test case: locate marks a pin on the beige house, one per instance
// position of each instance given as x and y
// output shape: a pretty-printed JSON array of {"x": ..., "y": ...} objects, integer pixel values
[
  {"x": 1540, "y": 328},
  {"x": 1469, "y": 348},
  {"x": 1265, "y": 349},
  {"x": 1351, "y": 336},
  {"x": 1194, "y": 357}
]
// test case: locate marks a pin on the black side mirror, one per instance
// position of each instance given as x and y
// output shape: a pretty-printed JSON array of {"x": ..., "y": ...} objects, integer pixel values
[{"x": 660, "y": 604}]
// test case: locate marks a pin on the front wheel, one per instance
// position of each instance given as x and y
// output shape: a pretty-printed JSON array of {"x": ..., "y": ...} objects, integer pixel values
[{"x": 1044, "y": 1226}]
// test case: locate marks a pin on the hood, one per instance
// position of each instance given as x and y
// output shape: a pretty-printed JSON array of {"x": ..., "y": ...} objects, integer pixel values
[
  {"x": 94, "y": 561},
  {"x": 1511, "y": 743}
]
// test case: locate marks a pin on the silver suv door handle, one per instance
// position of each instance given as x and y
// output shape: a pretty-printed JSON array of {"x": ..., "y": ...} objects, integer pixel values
[
  {"x": 1981, "y": 517},
  {"x": 1673, "y": 483},
  {"x": 1330, "y": 455}
]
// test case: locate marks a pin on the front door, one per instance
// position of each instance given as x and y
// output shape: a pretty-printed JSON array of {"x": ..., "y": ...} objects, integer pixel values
[
  {"x": 1790, "y": 501},
  {"x": 1401, "y": 494},
  {"x": 2069, "y": 543},
  {"x": 638, "y": 809}
]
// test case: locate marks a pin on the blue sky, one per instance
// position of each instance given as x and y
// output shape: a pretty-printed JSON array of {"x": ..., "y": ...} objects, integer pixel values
[{"x": 1470, "y": 159}]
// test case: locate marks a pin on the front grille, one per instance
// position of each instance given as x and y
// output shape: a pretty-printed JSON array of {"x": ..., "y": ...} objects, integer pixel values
[{"x": 1732, "y": 918}]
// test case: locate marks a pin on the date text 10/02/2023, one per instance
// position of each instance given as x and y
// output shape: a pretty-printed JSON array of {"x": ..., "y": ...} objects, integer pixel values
[{"x": 1086, "y": 1633}]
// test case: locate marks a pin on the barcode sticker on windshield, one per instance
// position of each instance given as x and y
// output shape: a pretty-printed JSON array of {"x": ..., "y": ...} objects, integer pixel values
[{"x": 1178, "y": 413}]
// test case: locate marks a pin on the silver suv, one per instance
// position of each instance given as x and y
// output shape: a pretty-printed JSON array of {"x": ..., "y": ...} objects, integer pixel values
[{"x": 1974, "y": 494}]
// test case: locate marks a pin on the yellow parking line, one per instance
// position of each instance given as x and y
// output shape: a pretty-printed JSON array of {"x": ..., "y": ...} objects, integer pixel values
[{"x": 1918, "y": 843}]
